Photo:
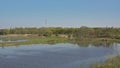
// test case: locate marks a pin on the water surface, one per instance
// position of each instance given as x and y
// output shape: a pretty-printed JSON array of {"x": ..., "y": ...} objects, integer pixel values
[{"x": 62, "y": 55}]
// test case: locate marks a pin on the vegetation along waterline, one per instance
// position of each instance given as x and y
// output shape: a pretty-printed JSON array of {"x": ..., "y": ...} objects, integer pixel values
[
  {"x": 32, "y": 40},
  {"x": 113, "y": 62},
  {"x": 82, "y": 35}
]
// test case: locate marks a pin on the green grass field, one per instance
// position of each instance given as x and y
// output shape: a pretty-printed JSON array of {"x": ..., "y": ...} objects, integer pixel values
[{"x": 31, "y": 40}]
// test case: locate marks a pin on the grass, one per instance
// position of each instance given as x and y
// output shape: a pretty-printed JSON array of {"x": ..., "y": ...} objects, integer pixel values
[
  {"x": 44, "y": 40},
  {"x": 32, "y": 40},
  {"x": 12, "y": 38},
  {"x": 50, "y": 40},
  {"x": 110, "y": 63}
]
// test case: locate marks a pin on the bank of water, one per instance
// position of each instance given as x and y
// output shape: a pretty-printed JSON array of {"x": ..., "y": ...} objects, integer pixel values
[{"x": 62, "y": 55}]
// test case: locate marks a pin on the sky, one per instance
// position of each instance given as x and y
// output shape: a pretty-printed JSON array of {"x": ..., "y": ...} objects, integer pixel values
[{"x": 59, "y": 13}]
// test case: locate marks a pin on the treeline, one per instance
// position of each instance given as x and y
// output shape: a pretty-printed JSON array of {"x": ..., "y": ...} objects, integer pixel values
[
  {"x": 106, "y": 32},
  {"x": 48, "y": 31},
  {"x": 82, "y": 32}
]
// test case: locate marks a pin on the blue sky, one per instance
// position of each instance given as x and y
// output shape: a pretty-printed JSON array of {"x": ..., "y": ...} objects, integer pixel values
[{"x": 61, "y": 13}]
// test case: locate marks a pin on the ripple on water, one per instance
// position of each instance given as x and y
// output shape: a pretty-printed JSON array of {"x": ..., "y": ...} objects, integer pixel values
[{"x": 53, "y": 56}]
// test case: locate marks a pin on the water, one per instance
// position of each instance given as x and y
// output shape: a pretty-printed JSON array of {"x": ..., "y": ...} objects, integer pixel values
[{"x": 63, "y": 55}]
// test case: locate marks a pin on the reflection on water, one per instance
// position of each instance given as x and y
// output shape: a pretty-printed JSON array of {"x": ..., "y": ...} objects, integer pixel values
[
  {"x": 55, "y": 56},
  {"x": 93, "y": 42}
]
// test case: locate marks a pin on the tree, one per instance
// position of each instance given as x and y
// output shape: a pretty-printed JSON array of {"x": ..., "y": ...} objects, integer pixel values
[{"x": 5, "y": 31}]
